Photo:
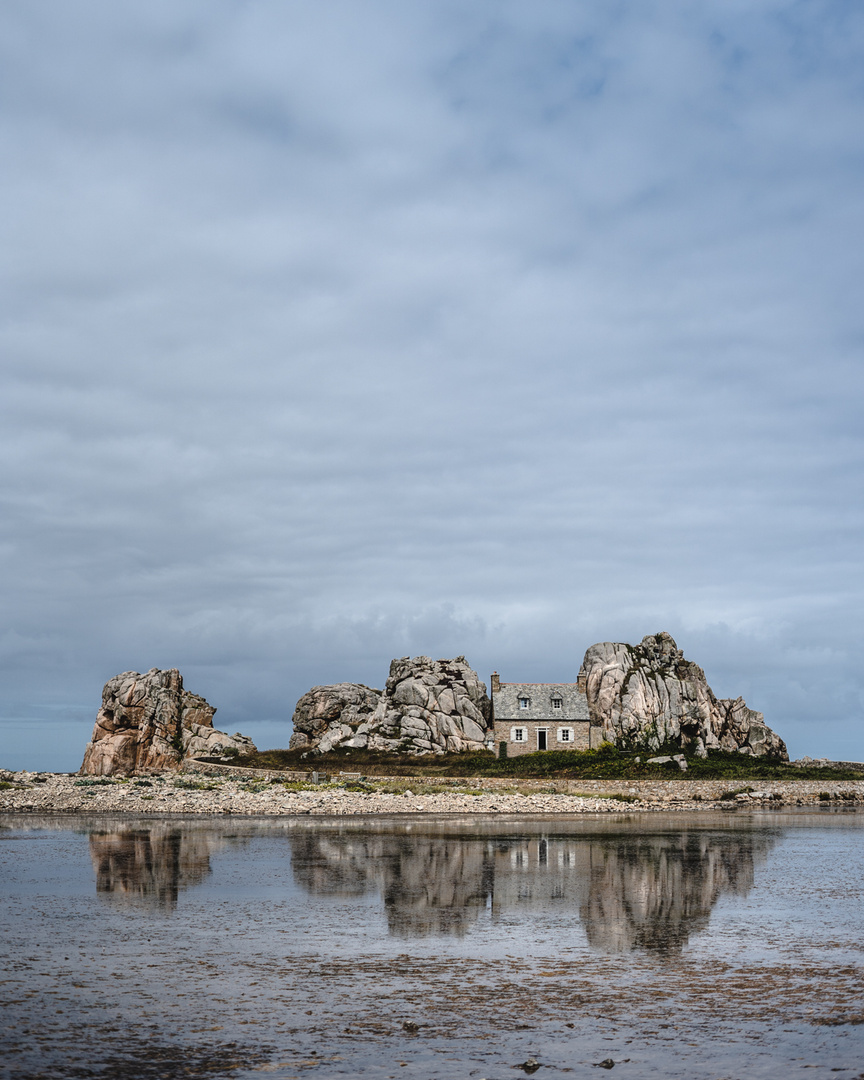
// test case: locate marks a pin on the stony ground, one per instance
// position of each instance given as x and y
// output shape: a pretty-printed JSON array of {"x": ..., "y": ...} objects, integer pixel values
[{"x": 215, "y": 790}]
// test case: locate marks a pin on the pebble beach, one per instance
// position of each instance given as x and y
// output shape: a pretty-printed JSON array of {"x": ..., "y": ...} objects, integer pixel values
[{"x": 221, "y": 790}]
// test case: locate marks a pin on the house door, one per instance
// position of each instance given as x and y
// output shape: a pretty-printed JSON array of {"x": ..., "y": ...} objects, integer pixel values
[{"x": 541, "y": 739}]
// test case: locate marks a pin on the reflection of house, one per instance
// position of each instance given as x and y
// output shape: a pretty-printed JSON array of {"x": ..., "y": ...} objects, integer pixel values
[
  {"x": 542, "y": 716},
  {"x": 646, "y": 891}
]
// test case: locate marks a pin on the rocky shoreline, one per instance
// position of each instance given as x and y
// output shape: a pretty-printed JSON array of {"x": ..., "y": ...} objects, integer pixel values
[{"x": 222, "y": 790}]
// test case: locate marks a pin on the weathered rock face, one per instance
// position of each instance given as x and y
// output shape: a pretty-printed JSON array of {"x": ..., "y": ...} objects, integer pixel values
[
  {"x": 648, "y": 695},
  {"x": 149, "y": 722},
  {"x": 427, "y": 706},
  {"x": 328, "y": 715}
]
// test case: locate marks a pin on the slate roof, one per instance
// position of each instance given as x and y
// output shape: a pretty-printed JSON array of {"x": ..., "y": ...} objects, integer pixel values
[{"x": 505, "y": 702}]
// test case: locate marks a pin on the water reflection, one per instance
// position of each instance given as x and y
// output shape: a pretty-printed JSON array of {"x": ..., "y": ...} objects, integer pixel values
[
  {"x": 150, "y": 865},
  {"x": 429, "y": 884},
  {"x": 654, "y": 892},
  {"x": 629, "y": 890}
]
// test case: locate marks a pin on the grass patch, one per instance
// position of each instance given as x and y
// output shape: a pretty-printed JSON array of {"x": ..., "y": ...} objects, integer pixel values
[
  {"x": 604, "y": 763},
  {"x": 736, "y": 791},
  {"x": 195, "y": 785},
  {"x": 95, "y": 781}
]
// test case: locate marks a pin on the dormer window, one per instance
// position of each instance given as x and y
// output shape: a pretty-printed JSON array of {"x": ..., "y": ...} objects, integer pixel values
[
  {"x": 557, "y": 703},
  {"x": 523, "y": 702}
]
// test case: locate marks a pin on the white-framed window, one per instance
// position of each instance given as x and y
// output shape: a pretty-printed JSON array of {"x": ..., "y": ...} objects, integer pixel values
[
  {"x": 523, "y": 702},
  {"x": 565, "y": 734},
  {"x": 518, "y": 734},
  {"x": 557, "y": 703}
]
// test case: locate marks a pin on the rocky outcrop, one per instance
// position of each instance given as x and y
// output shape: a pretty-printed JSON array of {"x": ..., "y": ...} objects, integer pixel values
[
  {"x": 427, "y": 706},
  {"x": 646, "y": 696},
  {"x": 328, "y": 715},
  {"x": 149, "y": 722}
]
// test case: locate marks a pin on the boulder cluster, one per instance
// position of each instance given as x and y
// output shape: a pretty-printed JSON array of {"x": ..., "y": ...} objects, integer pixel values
[
  {"x": 426, "y": 706},
  {"x": 149, "y": 722},
  {"x": 646, "y": 696}
]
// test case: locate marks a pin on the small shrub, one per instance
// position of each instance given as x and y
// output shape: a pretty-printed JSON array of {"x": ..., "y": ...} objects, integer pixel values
[
  {"x": 194, "y": 785},
  {"x": 95, "y": 781},
  {"x": 502, "y": 751},
  {"x": 143, "y": 783}
]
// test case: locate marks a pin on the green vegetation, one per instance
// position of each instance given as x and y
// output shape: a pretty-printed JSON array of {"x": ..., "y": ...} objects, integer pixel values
[
  {"x": 196, "y": 785},
  {"x": 96, "y": 781},
  {"x": 604, "y": 763}
]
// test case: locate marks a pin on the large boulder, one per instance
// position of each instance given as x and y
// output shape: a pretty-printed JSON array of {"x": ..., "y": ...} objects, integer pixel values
[
  {"x": 646, "y": 696},
  {"x": 149, "y": 722},
  {"x": 427, "y": 706},
  {"x": 328, "y": 715}
]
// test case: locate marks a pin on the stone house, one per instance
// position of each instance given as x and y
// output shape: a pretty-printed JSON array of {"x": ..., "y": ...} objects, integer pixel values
[{"x": 528, "y": 717}]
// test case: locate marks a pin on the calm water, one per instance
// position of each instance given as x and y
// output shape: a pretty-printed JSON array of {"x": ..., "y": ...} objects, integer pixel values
[{"x": 722, "y": 946}]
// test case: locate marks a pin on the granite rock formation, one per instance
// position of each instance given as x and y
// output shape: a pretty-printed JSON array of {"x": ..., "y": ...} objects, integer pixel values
[
  {"x": 149, "y": 722},
  {"x": 427, "y": 706},
  {"x": 646, "y": 696},
  {"x": 328, "y": 715}
]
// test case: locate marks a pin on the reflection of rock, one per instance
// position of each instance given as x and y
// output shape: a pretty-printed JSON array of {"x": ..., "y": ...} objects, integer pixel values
[
  {"x": 149, "y": 722},
  {"x": 653, "y": 892},
  {"x": 648, "y": 695},
  {"x": 151, "y": 864},
  {"x": 430, "y": 885},
  {"x": 632, "y": 892},
  {"x": 427, "y": 706}
]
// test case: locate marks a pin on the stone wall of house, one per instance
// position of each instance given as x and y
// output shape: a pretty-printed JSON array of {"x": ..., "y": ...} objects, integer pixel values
[{"x": 584, "y": 737}]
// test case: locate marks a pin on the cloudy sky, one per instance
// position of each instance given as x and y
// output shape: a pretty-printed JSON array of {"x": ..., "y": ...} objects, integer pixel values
[{"x": 336, "y": 331}]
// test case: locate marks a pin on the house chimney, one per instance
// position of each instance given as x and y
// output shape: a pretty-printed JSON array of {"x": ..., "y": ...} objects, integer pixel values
[
  {"x": 582, "y": 680},
  {"x": 496, "y": 682}
]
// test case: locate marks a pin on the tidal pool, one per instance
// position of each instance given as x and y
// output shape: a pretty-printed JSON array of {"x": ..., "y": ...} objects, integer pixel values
[{"x": 713, "y": 946}]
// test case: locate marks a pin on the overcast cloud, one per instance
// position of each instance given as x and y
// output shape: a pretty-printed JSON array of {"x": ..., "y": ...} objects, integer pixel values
[{"x": 337, "y": 331}]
